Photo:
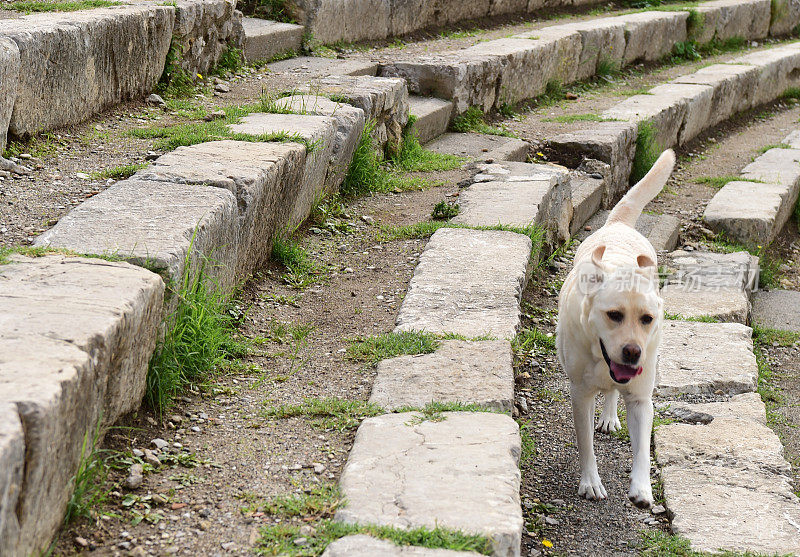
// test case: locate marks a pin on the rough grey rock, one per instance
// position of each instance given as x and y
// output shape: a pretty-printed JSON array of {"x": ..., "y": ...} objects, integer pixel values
[
  {"x": 382, "y": 99},
  {"x": 697, "y": 358},
  {"x": 785, "y": 15},
  {"x": 468, "y": 282},
  {"x": 479, "y": 372},
  {"x": 9, "y": 77},
  {"x": 75, "y": 64},
  {"x": 204, "y": 29},
  {"x": 725, "y": 19},
  {"x": 349, "y": 126},
  {"x": 481, "y": 146},
  {"x": 777, "y": 309},
  {"x": 263, "y": 177},
  {"x": 661, "y": 231},
  {"x": 779, "y": 69},
  {"x": 649, "y": 36},
  {"x": 316, "y": 66},
  {"x": 519, "y": 194},
  {"x": 158, "y": 224},
  {"x": 264, "y": 39},
  {"x": 319, "y": 131},
  {"x": 587, "y": 197},
  {"x": 76, "y": 336},
  {"x": 613, "y": 143},
  {"x": 733, "y": 88},
  {"x": 432, "y": 116},
  {"x": 460, "y": 473},
  {"x": 723, "y": 304},
  {"x": 602, "y": 40},
  {"x": 747, "y": 406},
  {"x": 361, "y": 545}
]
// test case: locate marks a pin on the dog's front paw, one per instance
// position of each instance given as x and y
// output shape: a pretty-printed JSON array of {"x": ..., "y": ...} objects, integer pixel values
[
  {"x": 641, "y": 495},
  {"x": 592, "y": 489},
  {"x": 608, "y": 424}
]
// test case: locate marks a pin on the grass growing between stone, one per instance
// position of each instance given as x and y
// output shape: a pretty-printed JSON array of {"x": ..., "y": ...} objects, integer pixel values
[
  {"x": 327, "y": 413},
  {"x": 647, "y": 151},
  {"x": 769, "y": 264},
  {"x": 473, "y": 121},
  {"x": 119, "y": 172},
  {"x": 425, "y": 229},
  {"x": 572, "y": 118},
  {"x": 57, "y": 5},
  {"x": 717, "y": 181},
  {"x": 301, "y": 269},
  {"x": 657, "y": 543},
  {"x": 767, "y": 389},
  {"x": 37, "y": 251},
  {"x": 89, "y": 480},
  {"x": 390, "y": 345},
  {"x": 414, "y": 158},
  {"x": 696, "y": 318}
]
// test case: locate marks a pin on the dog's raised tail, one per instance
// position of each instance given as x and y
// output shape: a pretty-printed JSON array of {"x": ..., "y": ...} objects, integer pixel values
[{"x": 632, "y": 204}]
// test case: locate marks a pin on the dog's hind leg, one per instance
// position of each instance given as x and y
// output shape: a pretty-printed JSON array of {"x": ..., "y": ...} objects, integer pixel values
[
  {"x": 609, "y": 420},
  {"x": 640, "y": 424},
  {"x": 590, "y": 485}
]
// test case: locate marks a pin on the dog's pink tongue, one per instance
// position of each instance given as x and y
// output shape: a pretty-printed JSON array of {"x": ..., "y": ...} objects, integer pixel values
[{"x": 625, "y": 372}]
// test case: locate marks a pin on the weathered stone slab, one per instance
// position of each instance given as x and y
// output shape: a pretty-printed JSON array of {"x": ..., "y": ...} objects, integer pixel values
[
  {"x": 785, "y": 15},
  {"x": 460, "y": 473},
  {"x": 76, "y": 336},
  {"x": 331, "y": 21},
  {"x": 204, "y": 30},
  {"x": 613, "y": 143},
  {"x": 481, "y": 146},
  {"x": 749, "y": 212},
  {"x": 468, "y": 282},
  {"x": 779, "y": 68},
  {"x": 697, "y": 358},
  {"x": 319, "y": 131},
  {"x": 73, "y": 65},
  {"x": 747, "y": 406},
  {"x": 710, "y": 284},
  {"x": 734, "y": 88},
  {"x": 432, "y": 117},
  {"x": 264, "y": 39},
  {"x": 649, "y": 36},
  {"x": 587, "y": 197},
  {"x": 478, "y": 372},
  {"x": 662, "y": 231},
  {"x": 9, "y": 77},
  {"x": 315, "y": 66},
  {"x": 158, "y": 224},
  {"x": 724, "y": 19},
  {"x": 602, "y": 40},
  {"x": 777, "y": 309},
  {"x": 382, "y": 99},
  {"x": 367, "y": 546},
  {"x": 349, "y": 126},
  {"x": 519, "y": 194},
  {"x": 776, "y": 166},
  {"x": 263, "y": 177}
]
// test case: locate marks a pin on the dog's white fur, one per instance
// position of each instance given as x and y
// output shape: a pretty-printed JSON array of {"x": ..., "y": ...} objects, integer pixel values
[{"x": 614, "y": 271}]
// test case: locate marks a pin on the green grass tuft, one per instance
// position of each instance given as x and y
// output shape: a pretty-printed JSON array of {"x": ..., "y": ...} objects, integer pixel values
[
  {"x": 301, "y": 270},
  {"x": 697, "y": 318},
  {"x": 88, "y": 482},
  {"x": 389, "y": 345},
  {"x": 763, "y": 149},
  {"x": 472, "y": 121},
  {"x": 443, "y": 210},
  {"x": 570, "y": 118},
  {"x": 717, "y": 181},
  {"x": 327, "y": 413},
  {"x": 320, "y": 500},
  {"x": 647, "y": 151},
  {"x": 36, "y": 6},
  {"x": 120, "y": 172},
  {"x": 415, "y": 158},
  {"x": 231, "y": 60},
  {"x": 695, "y": 23},
  {"x": 606, "y": 67},
  {"x": 534, "y": 340},
  {"x": 791, "y": 93}
]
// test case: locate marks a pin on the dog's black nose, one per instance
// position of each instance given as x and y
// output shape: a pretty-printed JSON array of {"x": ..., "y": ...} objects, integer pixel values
[{"x": 631, "y": 353}]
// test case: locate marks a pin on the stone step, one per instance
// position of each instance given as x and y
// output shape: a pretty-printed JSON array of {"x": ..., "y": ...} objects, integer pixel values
[
  {"x": 76, "y": 336},
  {"x": 777, "y": 309},
  {"x": 727, "y": 484},
  {"x": 459, "y": 473},
  {"x": 705, "y": 358},
  {"x": 519, "y": 194},
  {"x": 511, "y": 69},
  {"x": 366, "y": 546},
  {"x": 662, "y": 231},
  {"x": 587, "y": 198},
  {"x": 459, "y": 371},
  {"x": 481, "y": 147},
  {"x": 710, "y": 284},
  {"x": 157, "y": 224},
  {"x": 432, "y": 116},
  {"x": 754, "y": 210},
  {"x": 265, "y": 39},
  {"x": 318, "y": 66},
  {"x": 468, "y": 282}
]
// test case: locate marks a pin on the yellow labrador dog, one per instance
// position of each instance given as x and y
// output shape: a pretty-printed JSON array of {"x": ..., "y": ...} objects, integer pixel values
[{"x": 609, "y": 330}]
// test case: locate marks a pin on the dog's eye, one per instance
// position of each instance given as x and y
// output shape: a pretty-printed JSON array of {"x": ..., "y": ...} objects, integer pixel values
[
  {"x": 615, "y": 316},
  {"x": 646, "y": 319}
]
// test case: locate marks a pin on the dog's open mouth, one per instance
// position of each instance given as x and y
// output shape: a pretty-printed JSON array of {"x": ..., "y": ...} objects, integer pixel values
[{"x": 619, "y": 372}]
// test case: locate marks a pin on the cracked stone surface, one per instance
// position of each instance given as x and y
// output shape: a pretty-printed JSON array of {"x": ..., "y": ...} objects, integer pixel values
[
  {"x": 700, "y": 358},
  {"x": 367, "y": 546},
  {"x": 459, "y": 371},
  {"x": 76, "y": 337},
  {"x": 468, "y": 282},
  {"x": 459, "y": 473}
]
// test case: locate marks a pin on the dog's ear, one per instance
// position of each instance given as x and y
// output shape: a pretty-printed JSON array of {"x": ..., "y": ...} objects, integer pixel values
[
  {"x": 645, "y": 261},
  {"x": 591, "y": 274},
  {"x": 647, "y": 267},
  {"x": 597, "y": 256}
]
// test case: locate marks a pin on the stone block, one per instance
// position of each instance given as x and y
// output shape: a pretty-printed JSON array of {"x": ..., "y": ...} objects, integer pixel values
[
  {"x": 204, "y": 30},
  {"x": 587, "y": 197},
  {"x": 317, "y": 66},
  {"x": 265, "y": 179},
  {"x": 785, "y": 15},
  {"x": 76, "y": 64},
  {"x": 365, "y": 546},
  {"x": 778, "y": 69},
  {"x": 662, "y": 231},
  {"x": 76, "y": 336},
  {"x": 264, "y": 39},
  {"x": 459, "y": 473},
  {"x": 468, "y": 282},
  {"x": 777, "y": 309},
  {"x": 746, "y": 406},
  {"x": 602, "y": 41},
  {"x": 479, "y": 372},
  {"x": 649, "y": 36},
  {"x": 734, "y": 88},
  {"x": 9, "y": 78},
  {"x": 159, "y": 224},
  {"x": 725, "y": 19},
  {"x": 481, "y": 146},
  {"x": 700, "y": 358},
  {"x": 723, "y": 304},
  {"x": 432, "y": 117}
]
